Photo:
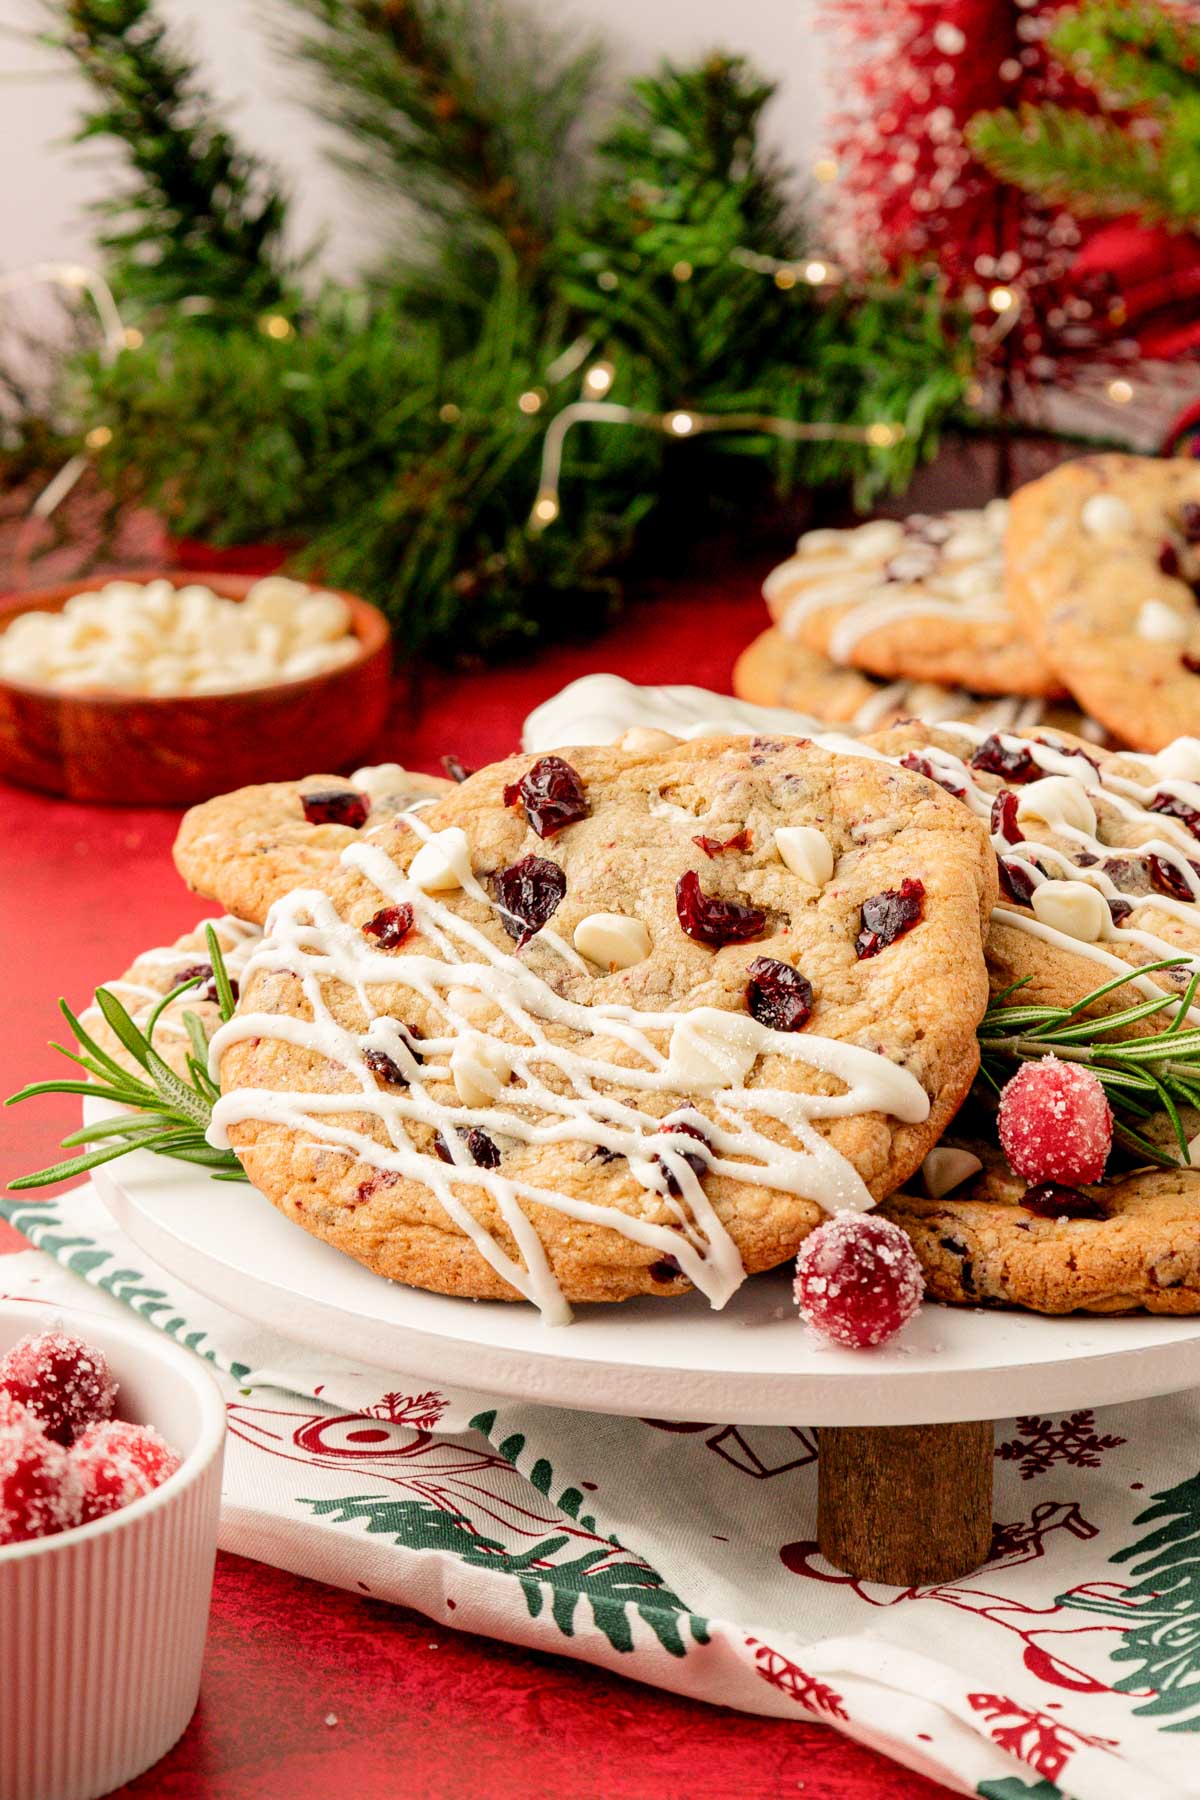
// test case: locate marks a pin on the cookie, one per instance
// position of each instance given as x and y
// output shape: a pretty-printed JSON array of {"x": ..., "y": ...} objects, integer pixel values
[
  {"x": 918, "y": 599},
  {"x": 154, "y": 973},
  {"x": 1098, "y": 854},
  {"x": 1103, "y": 557},
  {"x": 617, "y": 1022},
  {"x": 246, "y": 848},
  {"x": 775, "y": 671},
  {"x": 1137, "y": 1247}
]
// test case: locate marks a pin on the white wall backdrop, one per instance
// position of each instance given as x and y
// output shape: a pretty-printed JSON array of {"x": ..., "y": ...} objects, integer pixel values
[{"x": 45, "y": 183}]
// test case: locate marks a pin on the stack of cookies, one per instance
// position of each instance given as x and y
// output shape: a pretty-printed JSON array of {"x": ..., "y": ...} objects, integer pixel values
[
  {"x": 636, "y": 1019},
  {"x": 1072, "y": 605}
]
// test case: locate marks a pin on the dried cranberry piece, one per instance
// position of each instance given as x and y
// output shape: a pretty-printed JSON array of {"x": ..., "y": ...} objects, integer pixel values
[
  {"x": 1170, "y": 880},
  {"x": 455, "y": 768},
  {"x": 778, "y": 995},
  {"x": 1051, "y": 1200},
  {"x": 1189, "y": 519},
  {"x": 390, "y": 926},
  {"x": 602, "y": 1153},
  {"x": 480, "y": 1148},
  {"x": 1175, "y": 808},
  {"x": 994, "y": 758},
  {"x": 336, "y": 806},
  {"x": 381, "y": 1064},
  {"x": 204, "y": 972},
  {"x": 1168, "y": 558},
  {"x": 665, "y": 1269},
  {"x": 1016, "y": 883},
  {"x": 921, "y": 765},
  {"x": 1119, "y": 909},
  {"x": 530, "y": 892},
  {"x": 1190, "y": 663},
  {"x": 710, "y": 920},
  {"x": 696, "y": 1163},
  {"x": 1004, "y": 818},
  {"x": 552, "y": 794},
  {"x": 741, "y": 840},
  {"x": 887, "y": 916}
]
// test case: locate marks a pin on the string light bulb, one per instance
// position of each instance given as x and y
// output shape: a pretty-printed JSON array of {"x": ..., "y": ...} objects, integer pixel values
[
  {"x": 545, "y": 508},
  {"x": 98, "y": 437},
  {"x": 133, "y": 338},
  {"x": 598, "y": 379},
  {"x": 825, "y": 170},
  {"x": 1001, "y": 299},
  {"x": 449, "y": 414},
  {"x": 816, "y": 273},
  {"x": 882, "y": 436},
  {"x": 274, "y": 325},
  {"x": 531, "y": 401},
  {"x": 785, "y": 278},
  {"x": 683, "y": 270},
  {"x": 1120, "y": 390},
  {"x": 680, "y": 424}
]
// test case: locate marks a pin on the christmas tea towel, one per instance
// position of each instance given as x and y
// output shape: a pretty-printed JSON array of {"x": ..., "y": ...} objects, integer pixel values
[{"x": 684, "y": 1554}]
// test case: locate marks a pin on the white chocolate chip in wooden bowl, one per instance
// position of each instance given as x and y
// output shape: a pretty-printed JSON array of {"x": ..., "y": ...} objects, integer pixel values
[
  {"x": 946, "y": 1168},
  {"x": 1072, "y": 907},
  {"x": 806, "y": 851},
  {"x": 613, "y": 940},
  {"x": 1057, "y": 800},
  {"x": 443, "y": 861},
  {"x": 1105, "y": 515}
]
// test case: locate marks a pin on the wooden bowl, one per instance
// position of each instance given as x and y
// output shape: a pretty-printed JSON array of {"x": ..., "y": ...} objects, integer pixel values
[{"x": 144, "y": 750}]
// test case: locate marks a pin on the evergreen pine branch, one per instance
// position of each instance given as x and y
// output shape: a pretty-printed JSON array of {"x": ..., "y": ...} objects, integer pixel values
[
  {"x": 174, "y": 1113},
  {"x": 468, "y": 112},
  {"x": 1086, "y": 162},
  {"x": 1137, "y": 54},
  {"x": 200, "y": 217}
]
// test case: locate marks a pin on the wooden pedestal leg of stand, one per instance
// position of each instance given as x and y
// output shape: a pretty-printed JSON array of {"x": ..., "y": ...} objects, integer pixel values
[{"x": 905, "y": 1504}]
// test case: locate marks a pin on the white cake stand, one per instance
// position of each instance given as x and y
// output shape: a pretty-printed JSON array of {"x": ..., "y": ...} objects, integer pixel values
[{"x": 906, "y": 1445}]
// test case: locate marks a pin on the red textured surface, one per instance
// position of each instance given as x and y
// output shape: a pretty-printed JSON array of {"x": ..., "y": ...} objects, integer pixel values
[{"x": 420, "y": 1709}]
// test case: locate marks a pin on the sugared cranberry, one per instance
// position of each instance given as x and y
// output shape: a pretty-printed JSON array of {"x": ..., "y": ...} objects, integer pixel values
[
  {"x": 390, "y": 925},
  {"x": 455, "y": 768},
  {"x": 1168, "y": 558},
  {"x": 921, "y": 765},
  {"x": 62, "y": 1381},
  {"x": 1175, "y": 808},
  {"x": 1004, "y": 818},
  {"x": 858, "y": 1280},
  {"x": 1189, "y": 519},
  {"x": 887, "y": 916},
  {"x": 529, "y": 892},
  {"x": 1169, "y": 879},
  {"x": 336, "y": 806},
  {"x": 741, "y": 840},
  {"x": 994, "y": 758},
  {"x": 696, "y": 1163},
  {"x": 778, "y": 995},
  {"x": 1055, "y": 1123},
  {"x": 382, "y": 1065},
  {"x": 1054, "y": 1200},
  {"x": 552, "y": 794},
  {"x": 480, "y": 1148},
  {"x": 204, "y": 972},
  {"x": 1119, "y": 910},
  {"x": 711, "y": 920},
  {"x": 40, "y": 1492},
  {"x": 118, "y": 1462},
  {"x": 1016, "y": 883}
]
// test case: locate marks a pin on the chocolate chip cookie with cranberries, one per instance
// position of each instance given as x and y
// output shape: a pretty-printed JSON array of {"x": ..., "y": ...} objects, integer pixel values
[
  {"x": 616, "y": 1021},
  {"x": 1103, "y": 568},
  {"x": 246, "y": 848}
]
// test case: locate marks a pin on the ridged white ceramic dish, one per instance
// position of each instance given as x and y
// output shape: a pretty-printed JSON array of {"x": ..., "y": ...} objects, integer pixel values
[{"x": 102, "y": 1628}]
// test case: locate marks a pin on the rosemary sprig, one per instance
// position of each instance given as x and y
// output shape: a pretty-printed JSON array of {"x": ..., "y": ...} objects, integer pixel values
[
  {"x": 176, "y": 1112},
  {"x": 1143, "y": 1075}
]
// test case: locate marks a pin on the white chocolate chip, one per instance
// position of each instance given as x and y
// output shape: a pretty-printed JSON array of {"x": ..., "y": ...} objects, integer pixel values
[
  {"x": 1073, "y": 908},
  {"x": 479, "y": 1068},
  {"x": 612, "y": 939},
  {"x": 1162, "y": 624},
  {"x": 443, "y": 861},
  {"x": 806, "y": 852},
  {"x": 946, "y": 1168},
  {"x": 712, "y": 1049},
  {"x": 875, "y": 540},
  {"x": 1105, "y": 515},
  {"x": 1180, "y": 760},
  {"x": 646, "y": 737},
  {"x": 1057, "y": 800}
]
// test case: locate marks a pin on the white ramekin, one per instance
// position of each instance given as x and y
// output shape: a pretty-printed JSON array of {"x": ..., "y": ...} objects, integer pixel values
[{"x": 102, "y": 1628}]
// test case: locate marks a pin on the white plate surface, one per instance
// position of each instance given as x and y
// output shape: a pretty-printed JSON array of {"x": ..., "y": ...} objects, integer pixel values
[{"x": 753, "y": 1363}]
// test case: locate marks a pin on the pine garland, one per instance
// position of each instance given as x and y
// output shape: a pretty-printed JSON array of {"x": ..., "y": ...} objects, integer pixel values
[{"x": 1143, "y": 59}]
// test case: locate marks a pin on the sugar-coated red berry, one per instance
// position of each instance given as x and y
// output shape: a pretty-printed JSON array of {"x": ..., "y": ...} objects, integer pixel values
[
  {"x": 1055, "y": 1123},
  {"x": 117, "y": 1462},
  {"x": 858, "y": 1280},
  {"x": 64, "y": 1382},
  {"x": 40, "y": 1491}
]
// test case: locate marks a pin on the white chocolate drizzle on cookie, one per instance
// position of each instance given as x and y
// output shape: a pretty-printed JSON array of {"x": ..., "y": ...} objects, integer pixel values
[{"x": 555, "y": 1093}]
